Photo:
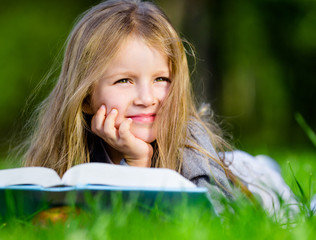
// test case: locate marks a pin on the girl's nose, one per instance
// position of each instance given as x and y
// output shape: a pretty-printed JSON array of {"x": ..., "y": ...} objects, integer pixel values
[{"x": 145, "y": 96}]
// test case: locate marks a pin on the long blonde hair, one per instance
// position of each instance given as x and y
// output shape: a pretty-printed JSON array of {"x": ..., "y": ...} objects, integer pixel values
[{"x": 59, "y": 140}]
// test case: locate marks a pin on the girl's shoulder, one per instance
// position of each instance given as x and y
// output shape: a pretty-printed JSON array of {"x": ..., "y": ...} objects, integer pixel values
[
  {"x": 200, "y": 159},
  {"x": 195, "y": 125},
  {"x": 198, "y": 135}
]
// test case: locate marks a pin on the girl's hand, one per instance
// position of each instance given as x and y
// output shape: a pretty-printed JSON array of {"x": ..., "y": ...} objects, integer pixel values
[{"x": 135, "y": 151}]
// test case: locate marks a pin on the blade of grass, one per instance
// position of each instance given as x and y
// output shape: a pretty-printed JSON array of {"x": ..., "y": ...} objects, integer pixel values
[
  {"x": 309, "y": 132},
  {"x": 304, "y": 198},
  {"x": 310, "y": 184}
]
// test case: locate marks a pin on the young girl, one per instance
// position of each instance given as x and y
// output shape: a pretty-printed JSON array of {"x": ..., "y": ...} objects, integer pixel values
[{"x": 124, "y": 97}]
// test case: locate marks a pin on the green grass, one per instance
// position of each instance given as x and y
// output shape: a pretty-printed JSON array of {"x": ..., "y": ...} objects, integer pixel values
[{"x": 127, "y": 222}]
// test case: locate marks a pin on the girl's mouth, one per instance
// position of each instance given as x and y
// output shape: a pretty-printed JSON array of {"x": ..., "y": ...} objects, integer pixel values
[{"x": 143, "y": 118}]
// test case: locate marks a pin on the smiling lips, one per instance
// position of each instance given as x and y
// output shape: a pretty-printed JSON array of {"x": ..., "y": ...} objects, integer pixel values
[{"x": 143, "y": 118}]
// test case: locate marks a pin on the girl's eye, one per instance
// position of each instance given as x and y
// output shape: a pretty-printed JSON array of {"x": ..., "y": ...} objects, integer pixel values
[
  {"x": 162, "y": 79},
  {"x": 125, "y": 80}
]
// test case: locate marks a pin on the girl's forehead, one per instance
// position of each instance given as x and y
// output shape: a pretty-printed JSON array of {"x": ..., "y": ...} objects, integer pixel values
[
  {"x": 135, "y": 43},
  {"x": 157, "y": 44},
  {"x": 136, "y": 50}
]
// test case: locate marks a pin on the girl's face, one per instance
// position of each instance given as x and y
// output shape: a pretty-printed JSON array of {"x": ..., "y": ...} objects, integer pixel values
[{"x": 136, "y": 82}]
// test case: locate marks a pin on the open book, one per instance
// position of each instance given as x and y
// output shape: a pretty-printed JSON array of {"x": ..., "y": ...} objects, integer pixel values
[
  {"x": 96, "y": 174},
  {"x": 24, "y": 191}
]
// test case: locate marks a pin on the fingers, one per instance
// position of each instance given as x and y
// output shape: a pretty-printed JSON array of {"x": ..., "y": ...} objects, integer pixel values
[
  {"x": 104, "y": 125},
  {"x": 124, "y": 130},
  {"x": 119, "y": 137},
  {"x": 98, "y": 119},
  {"x": 109, "y": 123}
]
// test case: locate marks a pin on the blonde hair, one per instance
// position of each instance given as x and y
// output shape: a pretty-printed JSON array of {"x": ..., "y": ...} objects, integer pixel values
[{"x": 60, "y": 138}]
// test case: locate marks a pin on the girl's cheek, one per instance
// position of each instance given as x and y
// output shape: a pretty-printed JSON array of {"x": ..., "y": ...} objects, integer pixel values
[{"x": 163, "y": 93}]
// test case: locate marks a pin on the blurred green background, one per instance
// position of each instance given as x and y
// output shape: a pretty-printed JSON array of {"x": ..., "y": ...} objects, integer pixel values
[{"x": 256, "y": 63}]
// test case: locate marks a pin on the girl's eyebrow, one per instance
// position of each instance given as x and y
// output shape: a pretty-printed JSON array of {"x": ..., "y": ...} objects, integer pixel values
[
  {"x": 165, "y": 72},
  {"x": 118, "y": 73}
]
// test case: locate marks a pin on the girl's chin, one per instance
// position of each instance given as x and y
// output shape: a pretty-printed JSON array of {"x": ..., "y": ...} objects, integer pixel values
[{"x": 146, "y": 136}]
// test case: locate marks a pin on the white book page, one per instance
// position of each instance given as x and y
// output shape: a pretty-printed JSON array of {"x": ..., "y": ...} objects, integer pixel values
[
  {"x": 41, "y": 176},
  {"x": 117, "y": 175}
]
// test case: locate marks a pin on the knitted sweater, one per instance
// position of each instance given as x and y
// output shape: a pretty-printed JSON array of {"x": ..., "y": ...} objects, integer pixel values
[{"x": 204, "y": 171}]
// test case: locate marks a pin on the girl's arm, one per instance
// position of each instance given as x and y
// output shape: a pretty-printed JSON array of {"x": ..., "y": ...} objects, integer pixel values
[
  {"x": 204, "y": 170},
  {"x": 135, "y": 151}
]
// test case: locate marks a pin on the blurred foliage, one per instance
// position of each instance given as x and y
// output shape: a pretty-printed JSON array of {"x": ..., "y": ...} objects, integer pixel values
[
  {"x": 32, "y": 36},
  {"x": 257, "y": 66},
  {"x": 256, "y": 61}
]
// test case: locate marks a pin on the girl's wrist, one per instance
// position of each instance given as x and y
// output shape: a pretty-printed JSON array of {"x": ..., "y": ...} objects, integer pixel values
[
  {"x": 140, "y": 161},
  {"x": 137, "y": 162}
]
